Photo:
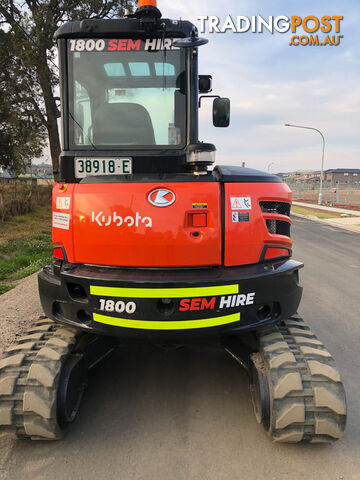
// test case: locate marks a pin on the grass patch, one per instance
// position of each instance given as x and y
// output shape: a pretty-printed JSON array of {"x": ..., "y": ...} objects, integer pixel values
[
  {"x": 25, "y": 246},
  {"x": 19, "y": 198},
  {"x": 24, "y": 226},
  {"x": 313, "y": 211},
  {"x": 5, "y": 288}
]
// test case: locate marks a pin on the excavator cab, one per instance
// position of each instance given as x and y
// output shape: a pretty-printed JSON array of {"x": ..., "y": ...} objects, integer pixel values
[{"x": 131, "y": 86}]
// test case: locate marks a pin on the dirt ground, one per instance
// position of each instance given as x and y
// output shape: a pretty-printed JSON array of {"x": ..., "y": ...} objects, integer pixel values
[{"x": 19, "y": 308}]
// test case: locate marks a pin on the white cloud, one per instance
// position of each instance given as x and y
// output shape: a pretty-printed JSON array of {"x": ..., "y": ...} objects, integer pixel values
[{"x": 271, "y": 83}]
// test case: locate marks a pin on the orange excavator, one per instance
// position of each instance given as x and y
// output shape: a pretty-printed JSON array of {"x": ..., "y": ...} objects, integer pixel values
[{"x": 152, "y": 243}]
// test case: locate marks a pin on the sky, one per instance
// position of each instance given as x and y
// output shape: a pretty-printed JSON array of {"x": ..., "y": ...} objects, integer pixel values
[{"x": 270, "y": 84}]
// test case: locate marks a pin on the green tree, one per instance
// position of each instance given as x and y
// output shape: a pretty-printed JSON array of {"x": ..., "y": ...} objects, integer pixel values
[
  {"x": 22, "y": 132},
  {"x": 34, "y": 22}
]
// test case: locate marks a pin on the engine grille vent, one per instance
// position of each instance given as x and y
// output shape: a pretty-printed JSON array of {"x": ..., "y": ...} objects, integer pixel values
[
  {"x": 277, "y": 227},
  {"x": 281, "y": 208}
]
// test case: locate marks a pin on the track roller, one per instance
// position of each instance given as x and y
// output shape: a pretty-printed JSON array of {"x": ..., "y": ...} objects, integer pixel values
[
  {"x": 296, "y": 389},
  {"x": 42, "y": 379}
]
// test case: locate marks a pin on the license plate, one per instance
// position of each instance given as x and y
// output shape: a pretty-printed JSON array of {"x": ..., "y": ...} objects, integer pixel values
[{"x": 90, "y": 167}]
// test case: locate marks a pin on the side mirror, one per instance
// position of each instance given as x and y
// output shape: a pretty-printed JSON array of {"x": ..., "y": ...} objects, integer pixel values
[{"x": 221, "y": 112}]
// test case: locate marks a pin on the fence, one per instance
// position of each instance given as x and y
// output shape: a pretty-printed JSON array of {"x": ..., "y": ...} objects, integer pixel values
[
  {"x": 19, "y": 198},
  {"x": 344, "y": 195}
]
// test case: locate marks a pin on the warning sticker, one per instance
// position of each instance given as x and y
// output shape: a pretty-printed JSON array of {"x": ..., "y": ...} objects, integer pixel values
[
  {"x": 240, "y": 203},
  {"x": 240, "y": 217},
  {"x": 63, "y": 203},
  {"x": 199, "y": 205},
  {"x": 61, "y": 220}
]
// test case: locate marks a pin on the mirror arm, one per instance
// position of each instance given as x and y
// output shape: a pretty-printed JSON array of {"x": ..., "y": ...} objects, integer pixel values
[{"x": 207, "y": 96}]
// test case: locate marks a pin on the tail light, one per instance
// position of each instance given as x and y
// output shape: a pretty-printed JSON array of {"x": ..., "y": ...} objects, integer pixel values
[
  {"x": 59, "y": 253},
  {"x": 275, "y": 252}
]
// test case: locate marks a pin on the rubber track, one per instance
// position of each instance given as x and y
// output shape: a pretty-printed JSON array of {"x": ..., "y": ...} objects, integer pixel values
[
  {"x": 307, "y": 397},
  {"x": 29, "y": 376}
]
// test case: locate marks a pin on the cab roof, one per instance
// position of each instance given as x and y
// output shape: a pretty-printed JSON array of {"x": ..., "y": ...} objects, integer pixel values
[{"x": 131, "y": 27}]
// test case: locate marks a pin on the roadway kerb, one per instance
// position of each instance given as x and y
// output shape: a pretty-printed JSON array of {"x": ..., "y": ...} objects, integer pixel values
[
  {"x": 356, "y": 213},
  {"x": 351, "y": 224}
]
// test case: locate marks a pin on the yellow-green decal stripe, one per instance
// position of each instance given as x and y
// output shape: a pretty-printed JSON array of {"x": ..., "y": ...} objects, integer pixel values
[
  {"x": 183, "y": 325},
  {"x": 164, "y": 292}
]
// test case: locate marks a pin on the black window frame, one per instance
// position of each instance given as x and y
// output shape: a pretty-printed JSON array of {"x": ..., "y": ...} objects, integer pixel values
[{"x": 67, "y": 79}]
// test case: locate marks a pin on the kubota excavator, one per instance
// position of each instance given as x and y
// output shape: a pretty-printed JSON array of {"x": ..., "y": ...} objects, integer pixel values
[{"x": 154, "y": 244}]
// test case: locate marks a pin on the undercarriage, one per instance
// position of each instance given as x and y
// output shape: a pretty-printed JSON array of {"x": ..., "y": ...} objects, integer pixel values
[{"x": 295, "y": 387}]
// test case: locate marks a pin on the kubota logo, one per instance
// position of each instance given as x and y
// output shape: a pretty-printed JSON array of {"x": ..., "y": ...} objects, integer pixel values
[
  {"x": 115, "y": 219},
  {"x": 161, "y": 197}
]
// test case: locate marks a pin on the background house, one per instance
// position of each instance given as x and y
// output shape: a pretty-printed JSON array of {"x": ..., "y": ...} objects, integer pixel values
[{"x": 342, "y": 176}]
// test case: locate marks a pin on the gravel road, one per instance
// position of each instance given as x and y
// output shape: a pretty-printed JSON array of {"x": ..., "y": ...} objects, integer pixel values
[{"x": 18, "y": 308}]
